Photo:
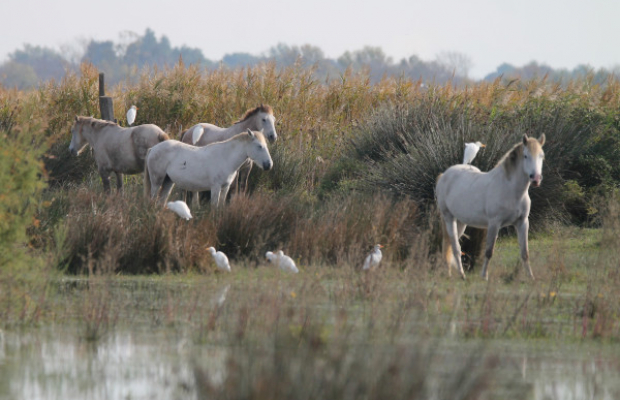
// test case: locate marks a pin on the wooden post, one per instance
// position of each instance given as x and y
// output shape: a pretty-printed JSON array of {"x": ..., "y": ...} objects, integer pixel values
[{"x": 106, "y": 105}]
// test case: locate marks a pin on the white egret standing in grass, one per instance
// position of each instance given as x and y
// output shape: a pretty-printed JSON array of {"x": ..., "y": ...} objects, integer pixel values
[
  {"x": 197, "y": 133},
  {"x": 471, "y": 149},
  {"x": 374, "y": 258},
  {"x": 220, "y": 259},
  {"x": 285, "y": 263},
  {"x": 131, "y": 115},
  {"x": 181, "y": 208}
]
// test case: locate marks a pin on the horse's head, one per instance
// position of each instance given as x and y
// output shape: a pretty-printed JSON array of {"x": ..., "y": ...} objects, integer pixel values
[
  {"x": 533, "y": 156},
  {"x": 261, "y": 119},
  {"x": 267, "y": 123},
  {"x": 78, "y": 143},
  {"x": 258, "y": 151}
]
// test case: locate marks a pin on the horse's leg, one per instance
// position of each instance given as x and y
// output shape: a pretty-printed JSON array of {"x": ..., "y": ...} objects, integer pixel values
[
  {"x": 224, "y": 193},
  {"x": 452, "y": 231},
  {"x": 119, "y": 182},
  {"x": 196, "y": 199},
  {"x": 522, "y": 233},
  {"x": 105, "y": 179},
  {"x": 215, "y": 195},
  {"x": 166, "y": 188},
  {"x": 247, "y": 177},
  {"x": 492, "y": 231}
]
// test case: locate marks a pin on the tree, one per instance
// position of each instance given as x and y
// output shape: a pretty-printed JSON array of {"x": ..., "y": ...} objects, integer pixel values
[
  {"x": 13, "y": 74},
  {"x": 458, "y": 63},
  {"x": 46, "y": 63}
]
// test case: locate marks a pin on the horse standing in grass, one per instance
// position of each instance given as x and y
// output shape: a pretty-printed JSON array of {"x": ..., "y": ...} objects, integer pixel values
[
  {"x": 256, "y": 119},
  {"x": 211, "y": 167},
  {"x": 117, "y": 149},
  {"x": 491, "y": 200}
]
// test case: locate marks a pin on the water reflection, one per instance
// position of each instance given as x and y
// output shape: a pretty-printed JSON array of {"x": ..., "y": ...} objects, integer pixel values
[{"x": 53, "y": 363}]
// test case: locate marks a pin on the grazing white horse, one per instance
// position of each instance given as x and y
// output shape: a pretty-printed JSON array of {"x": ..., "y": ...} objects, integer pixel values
[
  {"x": 491, "y": 200},
  {"x": 212, "y": 167},
  {"x": 117, "y": 149},
  {"x": 259, "y": 118}
]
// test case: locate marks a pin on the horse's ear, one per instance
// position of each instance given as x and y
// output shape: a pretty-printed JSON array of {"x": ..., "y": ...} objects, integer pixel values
[
  {"x": 525, "y": 138},
  {"x": 541, "y": 140},
  {"x": 250, "y": 132}
]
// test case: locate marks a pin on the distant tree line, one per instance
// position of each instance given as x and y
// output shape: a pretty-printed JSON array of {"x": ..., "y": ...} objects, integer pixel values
[{"x": 29, "y": 66}]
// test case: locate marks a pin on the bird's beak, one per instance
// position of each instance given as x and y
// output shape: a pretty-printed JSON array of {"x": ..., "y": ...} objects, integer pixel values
[
  {"x": 483, "y": 145},
  {"x": 381, "y": 246}
]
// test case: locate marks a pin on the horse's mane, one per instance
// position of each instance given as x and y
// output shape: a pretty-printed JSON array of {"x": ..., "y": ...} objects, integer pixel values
[
  {"x": 95, "y": 123},
  {"x": 510, "y": 160},
  {"x": 266, "y": 108},
  {"x": 246, "y": 136}
]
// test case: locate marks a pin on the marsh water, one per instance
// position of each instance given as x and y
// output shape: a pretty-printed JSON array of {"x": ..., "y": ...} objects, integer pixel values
[
  {"x": 53, "y": 363},
  {"x": 140, "y": 359}
]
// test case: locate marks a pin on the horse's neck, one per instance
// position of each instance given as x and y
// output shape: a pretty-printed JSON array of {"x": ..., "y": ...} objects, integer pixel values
[
  {"x": 90, "y": 135},
  {"x": 243, "y": 126},
  {"x": 516, "y": 182},
  {"x": 234, "y": 153}
]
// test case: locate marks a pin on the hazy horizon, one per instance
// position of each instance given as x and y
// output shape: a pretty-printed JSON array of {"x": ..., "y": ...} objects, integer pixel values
[{"x": 560, "y": 34}]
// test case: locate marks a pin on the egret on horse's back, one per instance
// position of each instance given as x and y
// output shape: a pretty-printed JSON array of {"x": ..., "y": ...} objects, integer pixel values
[{"x": 491, "y": 200}]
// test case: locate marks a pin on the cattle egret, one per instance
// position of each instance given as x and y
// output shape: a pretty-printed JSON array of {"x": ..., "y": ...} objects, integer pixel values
[
  {"x": 197, "y": 133},
  {"x": 220, "y": 259},
  {"x": 181, "y": 208},
  {"x": 374, "y": 258},
  {"x": 131, "y": 115},
  {"x": 285, "y": 263},
  {"x": 471, "y": 149}
]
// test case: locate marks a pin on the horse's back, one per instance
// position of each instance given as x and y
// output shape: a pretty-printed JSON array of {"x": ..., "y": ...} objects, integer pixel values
[
  {"x": 212, "y": 133},
  {"x": 462, "y": 192}
]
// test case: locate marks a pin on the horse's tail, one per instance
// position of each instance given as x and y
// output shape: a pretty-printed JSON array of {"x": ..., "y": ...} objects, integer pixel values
[
  {"x": 162, "y": 136},
  {"x": 446, "y": 244},
  {"x": 182, "y": 135},
  {"x": 147, "y": 177}
]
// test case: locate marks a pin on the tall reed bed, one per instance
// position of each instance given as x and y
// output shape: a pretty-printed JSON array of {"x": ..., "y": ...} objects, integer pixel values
[{"x": 341, "y": 140}]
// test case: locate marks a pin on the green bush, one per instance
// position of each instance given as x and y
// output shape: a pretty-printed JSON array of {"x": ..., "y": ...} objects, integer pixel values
[{"x": 21, "y": 182}]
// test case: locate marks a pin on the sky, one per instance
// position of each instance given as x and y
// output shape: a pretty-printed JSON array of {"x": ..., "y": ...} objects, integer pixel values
[{"x": 558, "y": 33}]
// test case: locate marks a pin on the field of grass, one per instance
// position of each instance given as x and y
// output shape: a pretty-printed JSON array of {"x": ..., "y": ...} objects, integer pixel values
[
  {"x": 403, "y": 331},
  {"x": 123, "y": 298}
]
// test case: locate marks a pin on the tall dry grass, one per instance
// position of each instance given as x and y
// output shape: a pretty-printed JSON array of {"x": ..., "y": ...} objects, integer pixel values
[{"x": 341, "y": 140}]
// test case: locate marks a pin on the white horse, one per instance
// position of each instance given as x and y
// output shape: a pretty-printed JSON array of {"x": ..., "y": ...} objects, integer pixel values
[
  {"x": 491, "y": 200},
  {"x": 212, "y": 167},
  {"x": 259, "y": 118},
  {"x": 117, "y": 149}
]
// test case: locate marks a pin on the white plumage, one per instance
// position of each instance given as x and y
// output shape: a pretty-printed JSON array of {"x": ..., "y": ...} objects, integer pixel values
[
  {"x": 285, "y": 263},
  {"x": 374, "y": 258},
  {"x": 131, "y": 115},
  {"x": 471, "y": 149},
  {"x": 197, "y": 133},
  {"x": 220, "y": 259},
  {"x": 181, "y": 208}
]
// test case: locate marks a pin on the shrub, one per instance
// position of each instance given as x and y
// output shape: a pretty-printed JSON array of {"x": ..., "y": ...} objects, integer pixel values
[{"x": 21, "y": 182}]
